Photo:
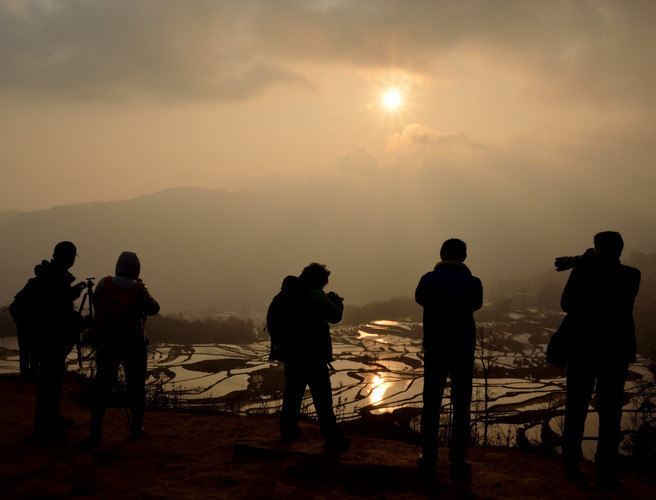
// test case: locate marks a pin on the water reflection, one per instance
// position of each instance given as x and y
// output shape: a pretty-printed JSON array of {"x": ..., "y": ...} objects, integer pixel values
[
  {"x": 378, "y": 389},
  {"x": 379, "y": 368}
]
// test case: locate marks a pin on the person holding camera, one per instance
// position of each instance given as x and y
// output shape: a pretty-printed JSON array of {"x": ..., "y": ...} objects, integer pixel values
[
  {"x": 308, "y": 354},
  {"x": 598, "y": 299},
  {"x": 122, "y": 303},
  {"x": 54, "y": 322}
]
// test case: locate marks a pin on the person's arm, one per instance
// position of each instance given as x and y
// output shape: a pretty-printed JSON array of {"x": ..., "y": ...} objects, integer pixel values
[
  {"x": 98, "y": 292},
  {"x": 331, "y": 311},
  {"x": 150, "y": 305},
  {"x": 420, "y": 293},
  {"x": 572, "y": 296},
  {"x": 477, "y": 296}
]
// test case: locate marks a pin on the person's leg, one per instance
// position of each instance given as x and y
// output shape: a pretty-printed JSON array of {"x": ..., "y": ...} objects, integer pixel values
[
  {"x": 33, "y": 355},
  {"x": 322, "y": 397},
  {"x": 23, "y": 351},
  {"x": 47, "y": 418},
  {"x": 292, "y": 399},
  {"x": 435, "y": 375},
  {"x": 135, "y": 365},
  {"x": 107, "y": 363},
  {"x": 461, "y": 373},
  {"x": 610, "y": 399},
  {"x": 580, "y": 385}
]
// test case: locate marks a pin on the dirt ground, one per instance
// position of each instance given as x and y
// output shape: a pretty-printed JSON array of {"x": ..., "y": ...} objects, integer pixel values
[{"x": 203, "y": 455}]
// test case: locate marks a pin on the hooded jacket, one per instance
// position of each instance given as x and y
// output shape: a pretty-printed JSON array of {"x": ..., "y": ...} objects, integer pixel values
[{"x": 122, "y": 302}]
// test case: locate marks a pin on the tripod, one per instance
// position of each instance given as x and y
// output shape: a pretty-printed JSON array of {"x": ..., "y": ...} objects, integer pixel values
[{"x": 88, "y": 295}]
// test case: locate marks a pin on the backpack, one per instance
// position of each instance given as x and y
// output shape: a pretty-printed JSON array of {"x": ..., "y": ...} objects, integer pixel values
[
  {"x": 29, "y": 303},
  {"x": 282, "y": 323},
  {"x": 118, "y": 315}
]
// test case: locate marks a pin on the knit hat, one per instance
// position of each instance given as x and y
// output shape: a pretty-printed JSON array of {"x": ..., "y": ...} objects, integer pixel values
[{"x": 128, "y": 265}]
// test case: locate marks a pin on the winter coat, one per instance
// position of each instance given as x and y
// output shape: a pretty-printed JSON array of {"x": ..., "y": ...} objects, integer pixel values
[
  {"x": 449, "y": 295},
  {"x": 598, "y": 299},
  {"x": 56, "y": 323},
  {"x": 308, "y": 327},
  {"x": 122, "y": 303}
]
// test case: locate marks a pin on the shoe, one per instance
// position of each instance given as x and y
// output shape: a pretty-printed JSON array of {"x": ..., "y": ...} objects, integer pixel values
[
  {"x": 50, "y": 436},
  {"x": 427, "y": 467},
  {"x": 66, "y": 423},
  {"x": 573, "y": 473},
  {"x": 608, "y": 482},
  {"x": 338, "y": 445},
  {"x": 575, "y": 476},
  {"x": 138, "y": 433},
  {"x": 290, "y": 435},
  {"x": 95, "y": 435},
  {"x": 460, "y": 468}
]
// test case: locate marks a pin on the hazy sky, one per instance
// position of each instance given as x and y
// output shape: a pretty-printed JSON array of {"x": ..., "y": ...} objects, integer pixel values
[{"x": 541, "y": 109}]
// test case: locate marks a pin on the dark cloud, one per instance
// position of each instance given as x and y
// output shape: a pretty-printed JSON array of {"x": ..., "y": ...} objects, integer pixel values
[
  {"x": 593, "y": 48},
  {"x": 115, "y": 49},
  {"x": 235, "y": 50}
]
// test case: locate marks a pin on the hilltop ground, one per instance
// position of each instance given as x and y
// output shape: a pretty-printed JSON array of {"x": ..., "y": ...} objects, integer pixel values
[{"x": 202, "y": 455}]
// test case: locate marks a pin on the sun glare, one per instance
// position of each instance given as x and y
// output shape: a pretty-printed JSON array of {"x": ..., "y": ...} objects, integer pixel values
[{"x": 392, "y": 99}]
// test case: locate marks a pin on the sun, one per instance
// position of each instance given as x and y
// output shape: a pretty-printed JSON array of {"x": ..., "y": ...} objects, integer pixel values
[{"x": 392, "y": 99}]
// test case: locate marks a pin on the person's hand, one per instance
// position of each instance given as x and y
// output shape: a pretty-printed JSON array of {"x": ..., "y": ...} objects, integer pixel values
[
  {"x": 564, "y": 263},
  {"x": 335, "y": 298}
]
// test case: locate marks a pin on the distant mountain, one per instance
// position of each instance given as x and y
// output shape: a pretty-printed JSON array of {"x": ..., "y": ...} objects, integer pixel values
[
  {"x": 206, "y": 252},
  {"x": 210, "y": 250}
]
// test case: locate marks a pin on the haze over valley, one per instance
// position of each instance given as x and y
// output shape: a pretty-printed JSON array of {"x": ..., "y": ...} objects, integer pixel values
[{"x": 206, "y": 252}]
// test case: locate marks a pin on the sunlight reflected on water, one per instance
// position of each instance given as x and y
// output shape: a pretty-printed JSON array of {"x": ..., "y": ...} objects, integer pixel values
[{"x": 378, "y": 389}]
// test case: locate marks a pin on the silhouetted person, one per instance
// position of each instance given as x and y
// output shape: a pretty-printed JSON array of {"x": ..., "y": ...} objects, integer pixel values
[
  {"x": 26, "y": 310},
  {"x": 449, "y": 295},
  {"x": 308, "y": 352},
  {"x": 122, "y": 303},
  {"x": 598, "y": 299},
  {"x": 56, "y": 336}
]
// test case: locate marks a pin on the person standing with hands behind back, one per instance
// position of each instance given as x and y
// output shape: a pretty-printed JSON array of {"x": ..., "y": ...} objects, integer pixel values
[{"x": 449, "y": 295}]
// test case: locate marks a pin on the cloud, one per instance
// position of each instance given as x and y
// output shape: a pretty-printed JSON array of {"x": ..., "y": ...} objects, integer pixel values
[
  {"x": 358, "y": 162},
  {"x": 236, "y": 50},
  {"x": 115, "y": 49},
  {"x": 599, "y": 49},
  {"x": 417, "y": 139}
]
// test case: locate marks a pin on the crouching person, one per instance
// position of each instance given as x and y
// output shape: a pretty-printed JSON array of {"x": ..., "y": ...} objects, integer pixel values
[{"x": 122, "y": 303}]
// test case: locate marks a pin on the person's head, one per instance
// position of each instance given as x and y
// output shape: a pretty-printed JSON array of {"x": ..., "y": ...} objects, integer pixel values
[
  {"x": 315, "y": 276},
  {"x": 608, "y": 245},
  {"x": 128, "y": 265},
  {"x": 453, "y": 249},
  {"x": 64, "y": 254}
]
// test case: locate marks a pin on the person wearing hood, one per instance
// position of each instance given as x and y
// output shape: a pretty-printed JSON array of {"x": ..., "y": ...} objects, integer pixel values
[
  {"x": 449, "y": 295},
  {"x": 122, "y": 303},
  {"x": 56, "y": 334}
]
